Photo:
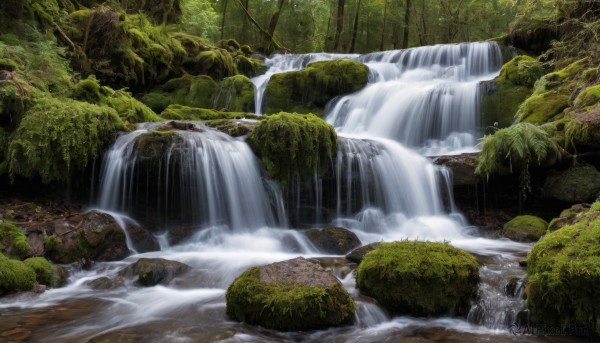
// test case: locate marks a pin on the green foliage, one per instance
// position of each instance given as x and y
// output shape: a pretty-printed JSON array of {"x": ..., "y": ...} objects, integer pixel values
[
  {"x": 287, "y": 306},
  {"x": 525, "y": 228},
  {"x": 58, "y": 137},
  {"x": 293, "y": 145},
  {"x": 15, "y": 276},
  {"x": 516, "y": 148},
  {"x": 309, "y": 90},
  {"x": 563, "y": 273},
  {"x": 522, "y": 70},
  {"x": 178, "y": 112},
  {"x": 200, "y": 19},
  {"x": 46, "y": 273},
  {"x": 12, "y": 240},
  {"x": 419, "y": 278},
  {"x": 129, "y": 109}
]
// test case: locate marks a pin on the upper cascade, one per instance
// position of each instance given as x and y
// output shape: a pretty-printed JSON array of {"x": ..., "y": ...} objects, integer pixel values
[{"x": 196, "y": 177}]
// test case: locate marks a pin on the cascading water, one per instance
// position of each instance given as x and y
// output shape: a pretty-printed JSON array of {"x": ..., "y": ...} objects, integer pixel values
[
  {"x": 418, "y": 101},
  {"x": 192, "y": 177}
]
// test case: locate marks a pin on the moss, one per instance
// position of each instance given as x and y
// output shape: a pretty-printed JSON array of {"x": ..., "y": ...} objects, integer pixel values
[
  {"x": 58, "y": 137},
  {"x": 15, "y": 276},
  {"x": 541, "y": 108},
  {"x": 525, "y": 228},
  {"x": 248, "y": 66},
  {"x": 129, "y": 109},
  {"x": 588, "y": 97},
  {"x": 563, "y": 275},
  {"x": 522, "y": 70},
  {"x": 188, "y": 90},
  {"x": 235, "y": 93},
  {"x": 46, "y": 273},
  {"x": 232, "y": 127},
  {"x": 287, "y": 307},
  {"x": 293, "y": 145},
  {"x": 583, "y": 129},
  {"x": 578, "y": 184},
  {"x": 216, "y": 63},
  {"x": 178, "y": 112},
  {"x": 12, "y": 240},
  {"x": 501, "y": 106},
  {"x": 419, "y": 278},
  {"x": 8, "y": 65},
  {"x": 309, "y": 90}
]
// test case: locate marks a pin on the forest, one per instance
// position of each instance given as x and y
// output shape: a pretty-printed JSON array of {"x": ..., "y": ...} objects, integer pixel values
[{"x": 299, "y": 170}]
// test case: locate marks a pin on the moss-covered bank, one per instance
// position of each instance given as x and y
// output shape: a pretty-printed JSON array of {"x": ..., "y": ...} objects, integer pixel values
[{"x": 419, "y": 278}]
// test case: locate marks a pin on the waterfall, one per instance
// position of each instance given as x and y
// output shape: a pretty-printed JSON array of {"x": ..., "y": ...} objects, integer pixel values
[{"x": 197, "y": 177}]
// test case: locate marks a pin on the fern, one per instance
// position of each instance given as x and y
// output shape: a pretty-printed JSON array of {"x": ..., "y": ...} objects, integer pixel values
[{"x": 517, "y": 148}]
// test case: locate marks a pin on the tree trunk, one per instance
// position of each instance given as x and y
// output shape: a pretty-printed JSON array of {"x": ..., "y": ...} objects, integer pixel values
[
  {"x": 275, "y": 18},
  {"x": 383, "y": 27},
  {"x": 406, "y": 25},
  {"x": 396, "y": 27},
  {"x": 244, "y": 36},
  {"x": 340, "y": 24},
  {"x": 223, "y": 18},
  {"x": 272, "y": 43},
  {"x": 355, "y": 29}
]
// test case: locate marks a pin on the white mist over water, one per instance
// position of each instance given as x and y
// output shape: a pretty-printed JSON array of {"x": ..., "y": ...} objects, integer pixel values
[{"x": 418, "y": 102}]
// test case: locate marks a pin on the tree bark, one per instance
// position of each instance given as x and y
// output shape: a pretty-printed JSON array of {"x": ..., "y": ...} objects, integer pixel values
[
  {"x": 383, "y": 27},
  {"x": 406, "y": 25},
  {"x": 273, "y": 44},
  {"x": 275, "y": 18},
  {"x": 355, "y": 29},
  {"x": 223, "y": 18},
  {"x": 340, "y": 24}
]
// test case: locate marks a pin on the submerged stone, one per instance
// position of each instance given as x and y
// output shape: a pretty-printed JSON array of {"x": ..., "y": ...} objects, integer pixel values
[
  {"x": 288, "y": 296},
  {"x": 154, "y": 271},
  {"x": 333, "y": 240},
  {"x": 419, "y": 278}
]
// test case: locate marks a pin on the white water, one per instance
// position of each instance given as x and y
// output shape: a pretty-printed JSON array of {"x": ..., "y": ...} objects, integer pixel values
[{"x": 385, "y": 191}]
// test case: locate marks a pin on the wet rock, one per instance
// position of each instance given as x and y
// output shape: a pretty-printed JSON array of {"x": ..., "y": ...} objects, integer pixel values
[
  {"x": 462, "y": 166},
  {"x": 289, "y": 296},
  {"x": 358, "y": 254},
  {"x": 419, "y": 278},
  {"x": 568, "y": 216},
  {"x": 106, "y": 283},
  {"x": 525, "y": 228},
  {"x": 154, "y": 271},
  {"x": 142, "y": 239},
  {"x": 180, "y": 234},
  {"x": 333, "y": 240},
  {"x": 577, "y": 184}
]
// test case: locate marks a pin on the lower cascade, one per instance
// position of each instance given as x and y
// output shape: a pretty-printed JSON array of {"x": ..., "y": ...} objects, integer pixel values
[{"x": 380, "y": 187}]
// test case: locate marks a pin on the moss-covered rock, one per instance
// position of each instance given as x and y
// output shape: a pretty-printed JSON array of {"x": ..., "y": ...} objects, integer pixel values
[
  {"x": 569, "y": 216},
  {"x": 178, "y": 112},
  {"x": 563, "y": 275},
  {"x": 153, "y": 271},
  {"x": 525, "y": 228},
  {"x": 588, "y": 97},
  {"x": 235, "y": 94},
  {"x": 309, "y": 90},
  {"x": 293, "y": 145},
  {"x": 333, "y": 240},
  {"x": 232, "y": 127},
  {"x": 13, "y": 241},
  {"x": 503, "y": 96},
  {"x": 47, "y": 273},
  {"x": 129, "y": 109},
  {"x": 15, "y": 276},
  {"x": 358, "y": 254},
  {"x": 583, "y": 129},
  {"x": 188, "y": 90},
  {"x": 580, "y": 183},
  {"x": 249, "y": 66},
  {"x": 419, "y": 278},
  {"x": 289, "y": 296},
  {"x": 58, "y": 137},
  {"x": 542, "y": 108}
]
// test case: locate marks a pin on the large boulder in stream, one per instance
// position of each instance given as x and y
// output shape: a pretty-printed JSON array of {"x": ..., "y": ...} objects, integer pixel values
[
  {"x": 525, "y": 228},
  {"x": 564, "y": 273},
  {"x": 419, "y": 278},
  {"x": 288, "y": 296},
  {"x": 309, "y": 90},
  {"x": 153, "y": 271},
  {"x": 333, "y": 240}
]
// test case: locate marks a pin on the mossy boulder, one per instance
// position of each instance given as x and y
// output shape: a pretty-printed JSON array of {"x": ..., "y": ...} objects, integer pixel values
[
  {"x": 13, "y": 241},
  {"x": 588, "y": 97},
  {"x": 568, "y": 216},
  {"x": 583, "y": 129},
  {"x": 563, "y": 275},
  {"x": 47, "y": 273},
  {"x": 292, "y": 145},
  {"x": 249, "y": 66},
  {"x": 232, "y": 127},
  {"x": 289, "y": 296},
  {"x": 309, "y": 90},
  {"x": 359, "y": 253},
  {"x": 525, "y": 228},
  {"x": 15, "y": 276},
  {"x": 333, "y": 240},
  {"x": 503, "y": 96},
  {"x": 57, "y": 138},
  {"x": 188, "y": 90},
  {"x": 419, "y": 278},
  {"x": 178, "y": 112},
  {"x": 542, "y": 108},
  {"x": 235, "y": 94},
  {"x": 580, "y": 183},
  {"x": 153, "y": 271}
]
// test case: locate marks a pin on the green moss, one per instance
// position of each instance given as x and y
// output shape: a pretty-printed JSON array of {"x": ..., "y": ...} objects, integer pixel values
[
  {"x": 595, "y": 206},
  {"x": 522, "y": 70},
  {"x": 588, "y": 97},
  {"x": 419, "y": 278},
  {"x": 293, "y": 145},
  {"x": 563, "y": 275},
  {"x": 309, "y": 90},
  {"x": 46, "y": 273},
  {"x": 15, "y": 276},
  {"x": 8, "y": 64},
  {"x": 12, "y": 240},
  {"x": 501, "y": 106},
  {"x": 517, "y": 149},
  {"x": 129, "y": 109},
  {"x": 235, "y": 93},
  {"x": 216, "y": 63},
  {"x": 541, "y": 108},
  {"x": 188, "y": 90},
  {"x": 525, "y": 228},
  {"x": 287, "y": 307},
  {"x": 583, "y": 129},
  {"x": 580, "y": 183},
  {"x": 248, "y": 66},
  {"x": 58, "y": 137},
  {"x": 178, "y": 112}
]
